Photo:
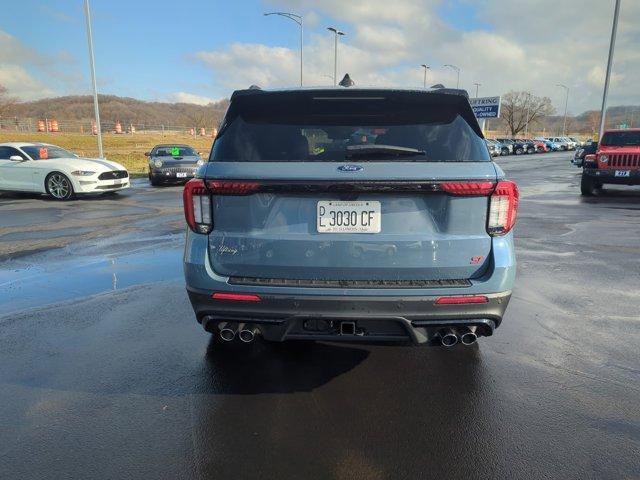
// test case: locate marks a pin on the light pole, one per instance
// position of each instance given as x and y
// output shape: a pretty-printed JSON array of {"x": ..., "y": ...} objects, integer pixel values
[
  {"x": 526, "y": 124},
  {"x": 426, "y": 67},
  {"x": 300, "y": 22},
  {"x": 566, "y": 101},
  {"x": 478, "y": 85},
  {"x": 612, "y": 45},
  {"x": 96, "y": 110},
  {"x": 458, "y": 72},
  {"x": 335, "y": 52}
]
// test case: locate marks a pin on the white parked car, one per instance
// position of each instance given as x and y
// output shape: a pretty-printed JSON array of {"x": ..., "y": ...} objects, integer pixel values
[{"x": 44, "y": 168}]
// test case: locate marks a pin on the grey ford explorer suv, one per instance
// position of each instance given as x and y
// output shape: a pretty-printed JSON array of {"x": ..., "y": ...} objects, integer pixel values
[{"x": 350, "y": 214}]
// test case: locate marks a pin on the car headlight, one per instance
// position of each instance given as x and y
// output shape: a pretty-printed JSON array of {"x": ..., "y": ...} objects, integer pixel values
[
  {"x": 604, "y": 158},
  {"x": 83, "y": 173},
  {"x": 200, "y": 162},
  {"x": 157, "y": 163}
]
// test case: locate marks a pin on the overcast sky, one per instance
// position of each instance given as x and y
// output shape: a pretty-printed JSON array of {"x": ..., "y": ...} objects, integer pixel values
[{"x": 201, "y": 50}]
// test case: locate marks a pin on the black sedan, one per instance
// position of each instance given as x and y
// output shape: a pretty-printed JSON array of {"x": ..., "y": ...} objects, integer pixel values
[{"x": 170, "y": 163}]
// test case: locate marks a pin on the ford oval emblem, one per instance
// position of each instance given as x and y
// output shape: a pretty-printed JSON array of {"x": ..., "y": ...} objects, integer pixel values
[{"x": 350, "y": 168}]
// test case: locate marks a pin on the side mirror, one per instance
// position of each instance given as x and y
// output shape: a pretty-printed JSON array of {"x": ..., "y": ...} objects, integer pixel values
[
  {"x": 16, "y": 158},
  {"x": 147, "y": 154}
]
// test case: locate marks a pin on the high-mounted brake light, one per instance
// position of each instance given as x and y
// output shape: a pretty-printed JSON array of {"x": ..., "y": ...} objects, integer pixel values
[
  {"x": 468, "y": 188},
  {"x": 461, "y": 300},
  {"x": 503, "y": 208},
  {"x": 197, "y": 206},
  {"x": 232, "y": 187},
  {"x": 236, "y": 297}
]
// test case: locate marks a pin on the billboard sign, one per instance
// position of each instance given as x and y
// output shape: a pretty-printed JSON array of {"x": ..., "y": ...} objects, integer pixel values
[{"x": 485, "y": 107}]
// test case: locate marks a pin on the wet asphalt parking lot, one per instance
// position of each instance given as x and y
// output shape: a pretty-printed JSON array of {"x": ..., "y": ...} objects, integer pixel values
[{"x": 104, "y": 372}]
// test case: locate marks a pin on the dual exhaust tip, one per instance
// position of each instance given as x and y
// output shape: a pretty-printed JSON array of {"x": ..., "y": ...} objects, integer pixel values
[
  {"x": 245, "y": 332},
  {"x": 449, "y": 337}
]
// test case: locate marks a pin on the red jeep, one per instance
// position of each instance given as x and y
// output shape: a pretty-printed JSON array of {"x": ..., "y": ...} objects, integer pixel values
[{"x": 617, "y": 160}]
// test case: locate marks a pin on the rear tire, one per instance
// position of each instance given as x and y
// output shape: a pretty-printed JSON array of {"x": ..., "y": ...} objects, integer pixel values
[
  {"x": 588, "y": 185},
  {"x": 519, "y": 151},
  {"x": 59, "y": 187}
]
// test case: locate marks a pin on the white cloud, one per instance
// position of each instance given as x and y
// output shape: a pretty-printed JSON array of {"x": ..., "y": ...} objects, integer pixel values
[
  {"x": 29, "y": 75},
  {"x": 186, "y": 97},
  {"x": 387, "y": 41}
]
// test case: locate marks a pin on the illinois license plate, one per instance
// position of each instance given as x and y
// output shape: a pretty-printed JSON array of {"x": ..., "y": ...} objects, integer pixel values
[
  {"x": 181, "y": 175},
  {"x": 622, "y": 173},
  {"x": 349, "y": 217}
]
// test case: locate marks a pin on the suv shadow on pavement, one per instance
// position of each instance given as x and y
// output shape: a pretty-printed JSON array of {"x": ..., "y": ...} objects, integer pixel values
[{"x": 265, "y": 367}]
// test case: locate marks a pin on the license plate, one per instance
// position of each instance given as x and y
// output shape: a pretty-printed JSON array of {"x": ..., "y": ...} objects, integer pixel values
[
  {"x": 622, "y": 173},
  {"x": 349, "y": 217},
  {"x": 181, "y": 175}
]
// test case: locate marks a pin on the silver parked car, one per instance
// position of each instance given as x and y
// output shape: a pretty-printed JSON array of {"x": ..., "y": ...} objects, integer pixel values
[
  {"x": 349, "y": 214},
  {"x": 172, "y": 163}
]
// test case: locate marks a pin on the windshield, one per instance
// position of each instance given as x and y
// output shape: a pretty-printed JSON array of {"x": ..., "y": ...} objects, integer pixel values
[
  {"x": 173, "y": 151},
  {"x": 621, "y": 139},
  {"x": 272, "y": 128},
  {"x": 44, "y": 152}
]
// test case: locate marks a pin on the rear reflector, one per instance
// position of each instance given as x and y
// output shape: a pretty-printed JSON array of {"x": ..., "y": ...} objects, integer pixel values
[
  {"x": 225, "y": 187},
  {"x": 461, "y": 300},
  {"x": 236, "y": 297},
  {"x": 468, "y": 188},
  {"x": 503, "y": 208},
  {"x": 197, "y": 206}
]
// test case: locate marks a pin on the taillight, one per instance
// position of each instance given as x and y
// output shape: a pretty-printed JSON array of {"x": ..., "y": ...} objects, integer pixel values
[
  {"x": 468, "y": 188},
  {"x": 197, "y": 206},
  {"x": 503, "y": 207},
  {"x": 232, "y": 187}
]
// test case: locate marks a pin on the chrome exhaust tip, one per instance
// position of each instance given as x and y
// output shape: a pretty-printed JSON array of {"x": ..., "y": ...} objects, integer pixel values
[
  {"x": 448, "y": 338},
  {"x": 228, "y": 331},
  {"x": 248, "y": 335},
  {"x": 468, "y": 338}
]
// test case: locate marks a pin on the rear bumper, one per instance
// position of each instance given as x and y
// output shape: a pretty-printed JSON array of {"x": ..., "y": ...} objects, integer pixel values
[
  {"x": 602, "y": 175},
  {"x": 383, "y": 314},
  {"x": 414, "y": 319}
]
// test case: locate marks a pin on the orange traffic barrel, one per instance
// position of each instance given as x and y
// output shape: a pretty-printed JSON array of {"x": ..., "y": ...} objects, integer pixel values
[
  {"x": 41, "y": 125},
  {"x": 118, "y": 127},
  {"x": 54, "y": 126}
]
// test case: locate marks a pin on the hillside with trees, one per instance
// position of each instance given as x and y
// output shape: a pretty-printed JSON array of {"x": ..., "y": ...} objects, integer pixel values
[{"x": 126, "y": 110}]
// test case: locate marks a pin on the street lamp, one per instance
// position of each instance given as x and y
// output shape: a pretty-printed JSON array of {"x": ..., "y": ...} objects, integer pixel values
[
  {"x": 335, "y": 52},
  {"x": 566, "y": 101},
  {"x": 426, "y": 67},
  {"x": 457, "y": 71},
  {"x": 612, "y": 44},
  {"x": 478, "y": 85},
  {"x": 96, "y": 109},
  {"x": 300, "y": 22}
]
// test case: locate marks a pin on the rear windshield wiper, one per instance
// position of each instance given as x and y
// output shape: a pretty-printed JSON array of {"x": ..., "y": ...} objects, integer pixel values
[{"x": 382, "y": 150}]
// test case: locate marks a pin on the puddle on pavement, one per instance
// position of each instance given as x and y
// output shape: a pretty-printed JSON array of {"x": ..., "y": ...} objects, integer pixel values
[{"x": 25, "y": 284}]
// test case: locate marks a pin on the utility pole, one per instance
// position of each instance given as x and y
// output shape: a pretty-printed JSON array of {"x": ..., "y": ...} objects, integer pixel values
[
  {"x": 612, "y": 44},
  {"x": 298, "y": 19},
  {"x": 526, "y": 125},
  {"x": 96, "y": 109},
  {"x": 426, "y": 67},
  {"x": 335, "y": 53},
  {"x": 478, "y": 85}
]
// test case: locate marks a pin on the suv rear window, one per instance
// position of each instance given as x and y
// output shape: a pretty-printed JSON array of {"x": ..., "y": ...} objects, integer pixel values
[
  {"x": 329, "y": 126},
  {"x": 620, "y": 139}
]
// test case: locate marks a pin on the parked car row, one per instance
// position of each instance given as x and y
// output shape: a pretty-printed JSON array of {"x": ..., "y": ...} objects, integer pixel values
[
  {"x": 521, "y": 146},
  {"x": 63, "y": 175}
]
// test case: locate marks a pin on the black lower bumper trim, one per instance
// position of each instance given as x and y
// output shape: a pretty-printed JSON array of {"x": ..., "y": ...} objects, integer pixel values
[{"x": 308, "y": 283}]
